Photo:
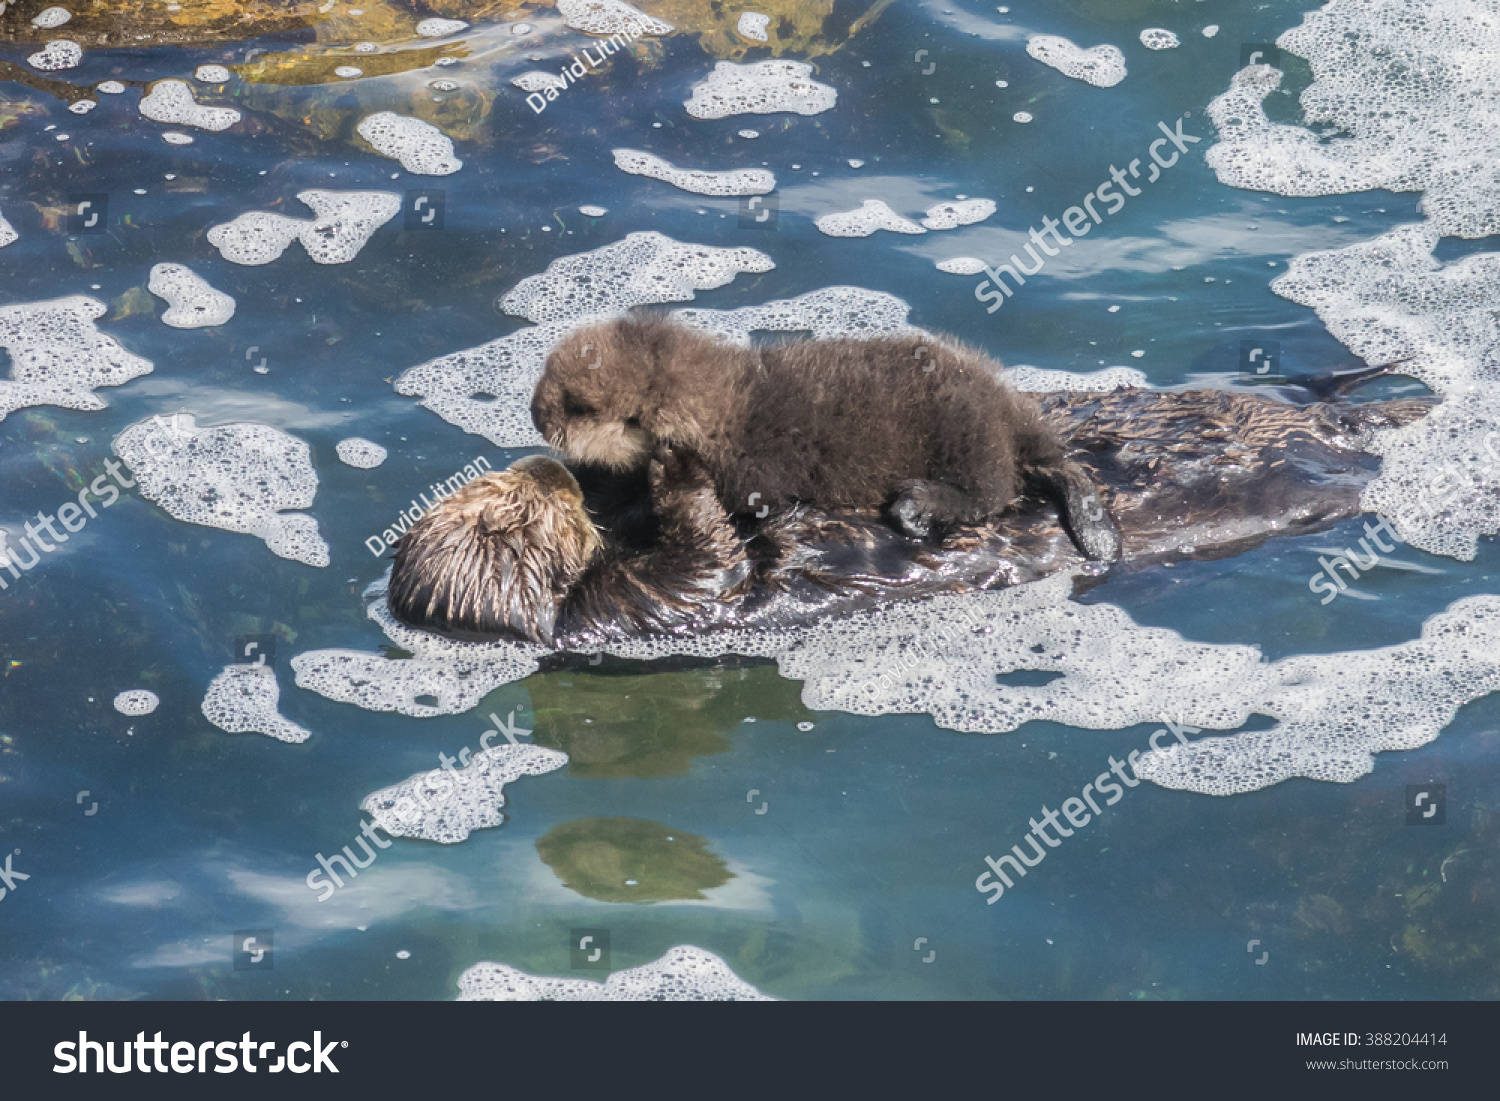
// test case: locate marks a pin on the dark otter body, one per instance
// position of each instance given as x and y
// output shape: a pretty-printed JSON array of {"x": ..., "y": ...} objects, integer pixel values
[
  {"x": 1204, "y": 473},
  {"x": 924, "y": 428}
]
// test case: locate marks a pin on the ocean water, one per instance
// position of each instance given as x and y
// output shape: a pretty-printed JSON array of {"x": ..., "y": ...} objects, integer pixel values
[{"x": 820, "y": 854}]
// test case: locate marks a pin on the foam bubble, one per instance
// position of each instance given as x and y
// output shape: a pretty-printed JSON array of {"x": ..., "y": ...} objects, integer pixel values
[
  {"x": 964, "y": 212},
  {"x": 243, "y": 699},
  {"x": 344, "y": 221},
  {"x": 538, "y": 81},
  {"x": 1102, "y": 66},
  {"x": 111, "y": 87},
  {"x": 82, "y": 106},
  {"x": 211, "y": 74},
  {"x": 172, "y": 101},
  {"x": 1043, "y": 380},
  {"x": 48, "y": 18},
  {"x": 753, "y": 24},
  {"x": 361, "y": 453},
  {"x": 607, "y": 17},
  {"x": 365, "y": 47},
  {"x": 643, "y": 269},
  {"x": 177, "y": 137},
  {"x": 192, "y": 303},
  {"x": 348, "y": 72},
  {"x": 58, "y": 357},
  {"x": 763, "y": 88},
  {"x": 749, "y": 134},
  {"x": 685, "y": 973},
  {"x": 440, "y": 28},
  {"x": 137, "y": 701},
  {"x": 826, "y": 313},
  {"x": 1021, "y": 116},
  {"x": 8, "y": 234},
  {"x": 737, "y": 181},
  {"x": 1394, "y": 305},
  {"x": 961, "y": 265},
  {"x": 1155, "y": 38},
  {"x": 1210, "y": 30},
  {"x": 455, "y": 676},
  {"x": 1407, "y": 91},
  {"x": 421, "y": 147},
  {"x": 871, "y": 215},
  {"x": 57, "y": 54},
  {"x": 593, "y": 211},
  {"x": 446, "y": 805},
  {"x": 243, "y": 477}
]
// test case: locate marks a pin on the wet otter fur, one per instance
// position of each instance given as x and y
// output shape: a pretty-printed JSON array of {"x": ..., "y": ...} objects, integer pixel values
[
  {"x": 924, "y": 428},
  {"x": 1197, "y": 474},
  {"x": 515, "y": 554}
]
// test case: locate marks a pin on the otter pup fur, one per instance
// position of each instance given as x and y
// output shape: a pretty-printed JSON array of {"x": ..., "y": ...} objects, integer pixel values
[{"x": 923, "y": 428}]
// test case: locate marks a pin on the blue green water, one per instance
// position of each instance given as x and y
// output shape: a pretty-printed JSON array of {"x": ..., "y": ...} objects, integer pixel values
[{"x": 874, "y": 830}]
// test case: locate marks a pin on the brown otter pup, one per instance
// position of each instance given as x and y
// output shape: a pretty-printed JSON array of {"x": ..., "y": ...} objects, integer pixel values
[{"x": 924, "y": 429}]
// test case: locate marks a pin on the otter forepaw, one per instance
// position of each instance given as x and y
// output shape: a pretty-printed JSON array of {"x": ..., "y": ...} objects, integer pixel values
[{"x": 923, "y": 508}]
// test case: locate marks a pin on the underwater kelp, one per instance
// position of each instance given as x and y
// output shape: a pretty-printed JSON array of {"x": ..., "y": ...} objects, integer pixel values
[{"x": 631, "y": 860}]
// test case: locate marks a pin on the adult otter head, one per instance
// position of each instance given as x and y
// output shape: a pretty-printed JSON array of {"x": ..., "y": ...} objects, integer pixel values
[
  {"x": 613, "y": 389},
  {"x": 496, "y": 557}
]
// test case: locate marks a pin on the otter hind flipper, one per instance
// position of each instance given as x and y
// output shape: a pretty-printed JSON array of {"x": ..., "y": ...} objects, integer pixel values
[{"x": 1084, "y": 515}]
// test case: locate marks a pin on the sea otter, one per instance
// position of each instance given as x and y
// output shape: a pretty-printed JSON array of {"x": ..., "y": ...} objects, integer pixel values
[
  {"x": 924, "y": 428},
  {"x": 528, "y": 554}
]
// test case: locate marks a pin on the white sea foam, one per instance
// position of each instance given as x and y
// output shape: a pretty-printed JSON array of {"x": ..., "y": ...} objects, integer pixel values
[
  {"x": 111, "y": 87},
  {"x": 608, "y": 17},
  {"x": 961, "y": 212},
  {"x": 440, "y": 28},
  {"x": 538, "y": 81},
  {"x": 961, "y": 265},
  {"x": 361, "y": 453},
  {"x": 48, "y": 18},
  {"x": 211, "y": 74},
  {"x": 1407, "y": 89},
  {"x": 57, "y": 54},
  {"x": 82, "y": 106},
  {"x": 172, "y": 101},
  {"x": 446, "y": 805},
  {"x": 137, "y": 701},
  {"x": 243, "y": 699},
  {"x": 1042, "y": 380},
  {"x": 753, "y": 24},
  {"x": 454, "y": 676},
  {"x": 8, "y": 234},
  {"x": 421, "y": 147},
  {"x": 1156, "y": 38},
  {"x": 737, "y": 181},
  {"x": 826, "y": 313},
  {"x": 643, "y": 269},
  {"x": 191, "y": 302},
  {"x": 348, "y": 72},
  {"x": 344, "y": 221},
  {"x": 685, "y": 973},
  {"x": 58, "y": 357},
  {"x": 763, "y": 88},
  {"x": 869, "y": 216},
  {"x": 177, "y": 137},
  {"x": 244, "y": 477},
  {"x": 1102, "y": 66},
  {"x": 593, "y": 211},
  {"x": 1393, "y": 304}
]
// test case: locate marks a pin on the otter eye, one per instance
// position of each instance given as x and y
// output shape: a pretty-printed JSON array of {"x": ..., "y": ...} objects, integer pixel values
[
  {"x": 633, "y": 422},
  {"x": 575, "y": 406}
]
